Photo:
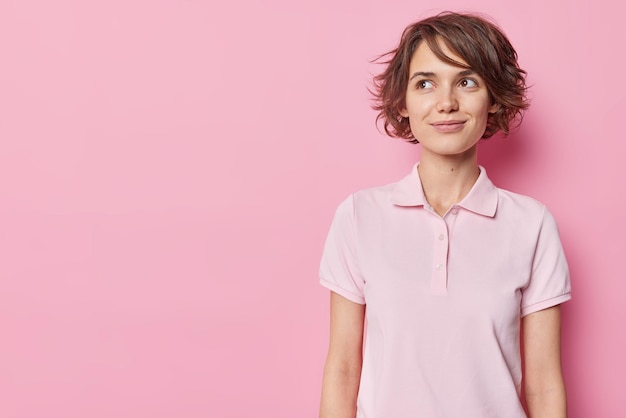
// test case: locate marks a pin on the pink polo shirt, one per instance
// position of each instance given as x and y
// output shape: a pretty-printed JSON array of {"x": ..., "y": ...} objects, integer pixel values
[{"x": 444, "y": 295}]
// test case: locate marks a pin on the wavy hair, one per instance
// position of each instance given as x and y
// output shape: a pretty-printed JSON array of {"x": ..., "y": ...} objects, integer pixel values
[{"x": 480, "y": 43}]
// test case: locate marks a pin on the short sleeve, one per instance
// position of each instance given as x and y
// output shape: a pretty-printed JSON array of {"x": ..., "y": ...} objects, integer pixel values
[
  {"x": 339, "y": 268},
  {"x": 549, "y": 282}
]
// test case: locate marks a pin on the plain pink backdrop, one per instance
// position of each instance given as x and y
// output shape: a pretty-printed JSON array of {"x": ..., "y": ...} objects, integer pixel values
[{"x": 169, "y": 170}]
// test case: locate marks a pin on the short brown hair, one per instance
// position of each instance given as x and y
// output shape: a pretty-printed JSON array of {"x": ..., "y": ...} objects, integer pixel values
[{"x": 480, "y": 43}]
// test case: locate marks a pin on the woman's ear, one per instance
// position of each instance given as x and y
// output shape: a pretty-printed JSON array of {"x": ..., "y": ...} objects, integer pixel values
[
  {"x": 494, "y": 108},
  {"x": 403, "y": 112}
]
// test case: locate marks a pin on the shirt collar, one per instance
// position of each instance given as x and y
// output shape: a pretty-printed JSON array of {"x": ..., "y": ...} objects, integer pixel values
[{"x": 481, "y": 199}]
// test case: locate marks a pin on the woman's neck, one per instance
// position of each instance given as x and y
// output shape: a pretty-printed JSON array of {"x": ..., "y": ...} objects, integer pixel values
[{"x": 446, "y": 180}]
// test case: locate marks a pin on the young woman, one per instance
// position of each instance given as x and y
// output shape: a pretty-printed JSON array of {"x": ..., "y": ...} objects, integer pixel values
[{"x": 432, "y": 277}]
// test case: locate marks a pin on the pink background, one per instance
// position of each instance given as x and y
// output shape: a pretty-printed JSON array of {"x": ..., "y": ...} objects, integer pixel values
[{"x": 169, "y": 170}]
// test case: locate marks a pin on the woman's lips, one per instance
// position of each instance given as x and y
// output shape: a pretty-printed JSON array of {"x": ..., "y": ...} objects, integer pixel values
[{"x": 448, "y": 126}]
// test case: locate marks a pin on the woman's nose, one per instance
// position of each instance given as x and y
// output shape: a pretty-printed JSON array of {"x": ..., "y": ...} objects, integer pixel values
[{"x": 447, "y": 100}]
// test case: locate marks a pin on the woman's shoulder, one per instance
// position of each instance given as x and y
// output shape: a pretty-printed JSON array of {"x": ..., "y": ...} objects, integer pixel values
[
  {"x": 367, "y": 200},
  {"x": 375, "y": 194},
  {"x": 522, "y": 206},
  {"x": 519, "y": 198}
]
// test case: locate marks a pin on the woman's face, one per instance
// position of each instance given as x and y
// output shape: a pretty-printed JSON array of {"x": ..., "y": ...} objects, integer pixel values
[{"x": 447, "y": 105}]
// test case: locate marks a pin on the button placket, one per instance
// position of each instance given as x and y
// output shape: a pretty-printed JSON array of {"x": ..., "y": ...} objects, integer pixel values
[{"x": 439, "y": 278}]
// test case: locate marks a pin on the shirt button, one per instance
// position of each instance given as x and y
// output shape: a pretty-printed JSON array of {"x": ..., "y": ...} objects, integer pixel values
[
  {"x": 438, "y": 266},
  {"x": 455, "y": 211},
  {"x": 441, "y": 237}
]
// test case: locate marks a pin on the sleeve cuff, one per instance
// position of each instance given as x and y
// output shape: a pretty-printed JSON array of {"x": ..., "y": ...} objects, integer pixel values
[
  {"x": 545, "y": 304},
  {"x": 343, "y": 292}
]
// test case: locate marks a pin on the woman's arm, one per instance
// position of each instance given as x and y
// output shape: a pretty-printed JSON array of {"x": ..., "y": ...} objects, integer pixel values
[
  {"x": 543, "y": 380},
  {"x": 342, "y": 372}
]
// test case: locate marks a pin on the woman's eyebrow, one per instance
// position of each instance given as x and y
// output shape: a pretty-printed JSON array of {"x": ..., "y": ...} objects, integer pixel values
[
  {"x": 421, "y": 73},
  {"x": 469, "y": 71},
  {"x": 463, "y": 73}
]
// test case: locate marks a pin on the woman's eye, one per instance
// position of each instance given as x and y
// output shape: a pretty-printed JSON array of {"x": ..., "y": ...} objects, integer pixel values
[
  {"x": 424, "y": 84},
  {"x": 468, "y": 82}
]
